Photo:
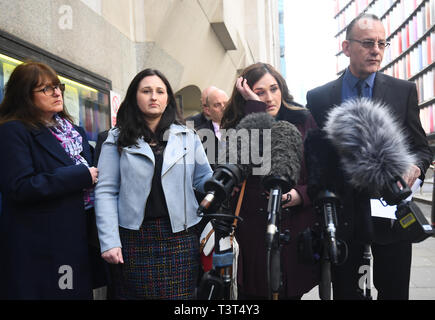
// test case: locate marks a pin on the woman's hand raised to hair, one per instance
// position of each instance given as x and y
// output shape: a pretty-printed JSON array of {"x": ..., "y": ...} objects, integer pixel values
[{"x": 244, "y": 89}]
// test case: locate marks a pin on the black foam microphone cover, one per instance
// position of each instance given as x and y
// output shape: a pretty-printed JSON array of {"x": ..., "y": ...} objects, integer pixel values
[
  {"x": 323, "y": 164},
  {"x": 231, "y": 171},
  {"x": 285, "y": 156},
  {"x": 253, "y": 125}
]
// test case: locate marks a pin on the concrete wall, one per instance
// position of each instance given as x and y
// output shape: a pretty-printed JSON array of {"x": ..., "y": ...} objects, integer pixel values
[{"x": 195, "y": 43}]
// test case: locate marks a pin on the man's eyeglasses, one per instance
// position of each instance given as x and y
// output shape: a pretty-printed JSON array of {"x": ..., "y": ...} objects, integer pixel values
[
  {"x": 49, "y": 90},
  {"x": 370, "y": 44}
]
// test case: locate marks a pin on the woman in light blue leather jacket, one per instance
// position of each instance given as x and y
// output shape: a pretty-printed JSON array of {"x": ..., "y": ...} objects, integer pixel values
[{"x": 145, "y": 202}]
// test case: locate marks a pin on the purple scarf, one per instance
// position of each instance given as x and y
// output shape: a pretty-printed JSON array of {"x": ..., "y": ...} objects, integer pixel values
[{"x": 72, "y": 143}]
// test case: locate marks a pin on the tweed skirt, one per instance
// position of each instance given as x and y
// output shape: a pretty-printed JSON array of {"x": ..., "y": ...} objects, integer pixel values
[{"x": 158, "y": 264}]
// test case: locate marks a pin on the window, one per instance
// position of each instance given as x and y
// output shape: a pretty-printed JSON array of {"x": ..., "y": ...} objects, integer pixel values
[{"x": 86, "y": 94}]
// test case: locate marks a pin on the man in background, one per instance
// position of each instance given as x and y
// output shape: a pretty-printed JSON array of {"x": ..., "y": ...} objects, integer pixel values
[
  {"x": 215, "y": 106},
  {"x": 209, "y": 131},
  {"x": 202, "y": 117}
]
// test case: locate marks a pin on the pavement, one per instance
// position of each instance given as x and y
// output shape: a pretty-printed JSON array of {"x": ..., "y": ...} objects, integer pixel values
[{"x": 422, "y": 284}]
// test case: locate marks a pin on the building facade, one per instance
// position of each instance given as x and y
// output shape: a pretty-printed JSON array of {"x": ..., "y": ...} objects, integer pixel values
[
  {"x": 282, "y": 57},
  {"x": 410, "y": 29},
  {"x": 98, "y": 46}
]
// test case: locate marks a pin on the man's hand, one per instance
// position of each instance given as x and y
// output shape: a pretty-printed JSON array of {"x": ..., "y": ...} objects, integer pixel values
[{"x": 413, "y": 173}]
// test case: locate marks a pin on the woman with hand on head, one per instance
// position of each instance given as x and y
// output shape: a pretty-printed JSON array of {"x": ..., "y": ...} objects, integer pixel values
[
  {"x": 261, "y": 88},
  {"x": 46, "y": 184},
  {"x": 145, "y": 203}
]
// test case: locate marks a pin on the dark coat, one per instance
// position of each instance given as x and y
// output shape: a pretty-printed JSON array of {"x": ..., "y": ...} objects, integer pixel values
[
  {"x": 201, "y": 123},
  {"x": 102, "y": 136},
  {"x": 43, "y": 223},
  {"x": 198, "y": 119},
  {"x": 298, "y": 277},
  {"x": 401, "y": 97},
  {"x": 213, "y": 144}
]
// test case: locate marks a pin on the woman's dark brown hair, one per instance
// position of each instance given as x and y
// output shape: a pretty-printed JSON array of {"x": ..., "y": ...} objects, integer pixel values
[
  {"x": 234, "y": 110},
  {"x": 18, "y": 100},
  {"x": 131, "y": 121}
]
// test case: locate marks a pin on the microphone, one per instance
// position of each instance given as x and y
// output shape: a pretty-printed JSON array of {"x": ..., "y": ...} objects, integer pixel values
[
  {"x": 286, "y": 156},
  {"x": 375, "y": 155},
  {"x": 322, "y": 162},
  {"x": 372, "y": 147},
  {"x": 243, "y": 141},
  {"x": 220, "y": 185},
  {"x": 255, "y": 152},
  {"x": 325, "y": 182},
  {"x": 250, "y": 135}
]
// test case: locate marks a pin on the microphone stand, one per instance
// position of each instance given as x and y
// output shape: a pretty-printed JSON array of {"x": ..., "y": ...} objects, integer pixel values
[
  {"x": 274, "y": 239},
  {"x": 273, "y": 245},
  {"x": 367, "y": 257},
  {"x": 326, "y": 204},
  {"x": 325, "y": 283},
  {"x": 216, "y": 283}
]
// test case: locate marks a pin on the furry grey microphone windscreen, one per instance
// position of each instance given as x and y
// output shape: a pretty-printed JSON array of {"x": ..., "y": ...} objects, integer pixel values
[
  {"x": 372, "y": 146},
  {"x": 286, "y": 151}
]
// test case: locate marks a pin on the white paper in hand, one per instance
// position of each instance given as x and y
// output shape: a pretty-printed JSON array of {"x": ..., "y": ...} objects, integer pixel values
[{"x": 389, "y": 212}]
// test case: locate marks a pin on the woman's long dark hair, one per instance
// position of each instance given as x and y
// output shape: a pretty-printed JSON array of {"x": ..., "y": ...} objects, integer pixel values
[
  {"x": 234, "y": 110},
  {"x": 131, "y": 121},
  {"x": 18, "y": 100}
]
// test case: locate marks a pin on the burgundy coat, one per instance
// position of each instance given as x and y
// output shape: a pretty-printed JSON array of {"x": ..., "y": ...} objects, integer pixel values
[{"x": 298, "y": 277}]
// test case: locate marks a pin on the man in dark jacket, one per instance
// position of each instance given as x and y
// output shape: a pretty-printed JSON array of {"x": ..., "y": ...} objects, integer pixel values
[
  {"x": 201, "y": 118},
  {"x": 364, "y": 45},
  {"x": 209, "y": 131}
]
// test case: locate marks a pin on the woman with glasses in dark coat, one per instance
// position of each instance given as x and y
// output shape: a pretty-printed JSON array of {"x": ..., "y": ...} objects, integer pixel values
[{"x": 46, "y": 184}]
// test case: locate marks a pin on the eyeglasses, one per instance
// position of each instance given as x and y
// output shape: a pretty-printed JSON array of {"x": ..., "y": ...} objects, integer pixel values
[
  {"x": 49, "y": 90},
  {"x": 370, "y": 44}
]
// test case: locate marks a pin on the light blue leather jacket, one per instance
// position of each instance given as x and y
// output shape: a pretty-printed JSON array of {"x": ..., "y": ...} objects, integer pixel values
[{"x": 124, "y": 183}]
